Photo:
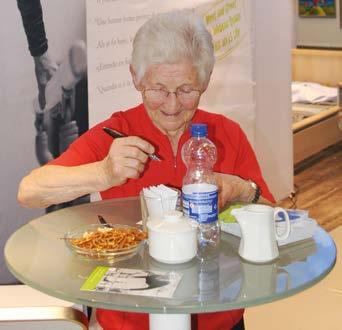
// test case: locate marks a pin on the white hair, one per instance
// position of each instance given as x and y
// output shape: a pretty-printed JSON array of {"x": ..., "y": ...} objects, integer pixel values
[{"x": 170, "y": 38}]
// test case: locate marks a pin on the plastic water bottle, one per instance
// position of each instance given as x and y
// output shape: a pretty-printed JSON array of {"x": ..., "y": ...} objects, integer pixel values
[{"x": 199, "y": 191}]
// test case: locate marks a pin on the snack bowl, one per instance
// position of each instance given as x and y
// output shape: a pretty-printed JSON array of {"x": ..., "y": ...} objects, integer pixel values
[{"x": 109, "y": 242}]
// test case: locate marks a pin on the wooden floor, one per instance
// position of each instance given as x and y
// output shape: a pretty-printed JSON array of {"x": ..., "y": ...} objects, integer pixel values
[{"x": 318, "y": 184}]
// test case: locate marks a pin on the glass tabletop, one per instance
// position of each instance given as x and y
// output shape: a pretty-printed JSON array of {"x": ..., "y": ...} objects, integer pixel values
[{"x": 37, "y": 256}]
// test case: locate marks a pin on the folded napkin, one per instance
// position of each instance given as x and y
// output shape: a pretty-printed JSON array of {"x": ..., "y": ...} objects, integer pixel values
[{"x": 160, "y": 199}]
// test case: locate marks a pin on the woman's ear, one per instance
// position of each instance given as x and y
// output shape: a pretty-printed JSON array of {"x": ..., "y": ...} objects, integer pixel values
[{"x": 136, "y": 83}]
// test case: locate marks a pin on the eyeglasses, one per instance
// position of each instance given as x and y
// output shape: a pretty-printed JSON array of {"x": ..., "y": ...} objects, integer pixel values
[{"x": 160, "y": 95}]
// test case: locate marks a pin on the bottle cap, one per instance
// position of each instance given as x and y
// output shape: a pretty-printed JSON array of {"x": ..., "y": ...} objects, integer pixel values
[{"x": 199, "y": 130}]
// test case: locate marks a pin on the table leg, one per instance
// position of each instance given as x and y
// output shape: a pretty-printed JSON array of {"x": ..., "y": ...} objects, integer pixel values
[{"x": 170, "y": 322}]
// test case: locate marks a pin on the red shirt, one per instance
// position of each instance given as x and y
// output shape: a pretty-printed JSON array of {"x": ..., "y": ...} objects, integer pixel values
[{"x": 235, "y": 156}]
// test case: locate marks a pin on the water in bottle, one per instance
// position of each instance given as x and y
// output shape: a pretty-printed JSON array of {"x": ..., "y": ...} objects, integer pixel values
[{"x": 199, "y": 191}]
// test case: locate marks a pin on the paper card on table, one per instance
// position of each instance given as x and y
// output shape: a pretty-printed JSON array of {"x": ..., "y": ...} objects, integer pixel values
[
  {"x": 301, "y": 229},
  {"x": 132, "y": 281}
]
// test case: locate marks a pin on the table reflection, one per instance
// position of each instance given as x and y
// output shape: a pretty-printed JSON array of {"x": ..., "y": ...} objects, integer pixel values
[{"x": 37, "y": 257}]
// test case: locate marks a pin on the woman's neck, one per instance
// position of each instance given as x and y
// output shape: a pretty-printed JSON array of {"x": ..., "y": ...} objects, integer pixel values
[
  {"x": 174, "y": 140},
  {"x": 174, "y": 137}
]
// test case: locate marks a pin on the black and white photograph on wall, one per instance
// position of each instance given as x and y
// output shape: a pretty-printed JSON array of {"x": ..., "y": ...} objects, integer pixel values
[
  {"x": 44, "y": 96},
  {"x": 59, "y": 119}
]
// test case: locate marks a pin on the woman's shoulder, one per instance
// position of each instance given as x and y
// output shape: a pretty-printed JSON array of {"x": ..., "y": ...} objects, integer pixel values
[
  {"x": 217, "y": 120},
  {"x": 127, "y": 114},
  {"x": 223, "y": 130},
  {"x": 123, "y": 120}
]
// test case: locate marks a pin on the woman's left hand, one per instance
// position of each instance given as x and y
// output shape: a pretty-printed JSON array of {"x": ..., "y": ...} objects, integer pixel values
[{"x": 233, "y": 189}]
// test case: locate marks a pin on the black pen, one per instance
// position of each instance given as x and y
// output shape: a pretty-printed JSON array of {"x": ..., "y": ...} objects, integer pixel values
[{"x": 115, "y": 134}]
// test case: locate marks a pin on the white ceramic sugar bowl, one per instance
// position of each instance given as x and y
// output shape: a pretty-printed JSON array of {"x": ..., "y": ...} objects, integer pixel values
[{"x": 173, "y": 238}]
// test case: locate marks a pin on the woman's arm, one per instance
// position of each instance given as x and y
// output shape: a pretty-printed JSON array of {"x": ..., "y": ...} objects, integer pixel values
[
  {"x": 54, "y": 184},
  {"x": 232, "y": 188},
  {"x": 235, "y": 186}
]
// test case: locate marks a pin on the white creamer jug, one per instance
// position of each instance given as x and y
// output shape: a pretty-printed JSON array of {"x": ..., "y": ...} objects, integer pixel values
[
  {"x": 172, "y": 238},
  {"x": 258, "y": 231}
]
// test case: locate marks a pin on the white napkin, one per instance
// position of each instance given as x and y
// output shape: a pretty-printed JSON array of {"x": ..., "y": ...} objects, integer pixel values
[{"x": 160, "y": 199}]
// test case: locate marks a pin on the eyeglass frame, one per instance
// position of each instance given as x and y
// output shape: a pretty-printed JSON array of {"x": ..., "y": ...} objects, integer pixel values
[{"x": 172, "y": 92}]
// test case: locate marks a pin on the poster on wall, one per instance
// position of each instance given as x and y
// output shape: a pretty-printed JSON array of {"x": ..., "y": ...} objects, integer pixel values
[
  {"x": 44, "y": 107},
  {"x": 111, "y": 28},
  {"x": 56, "y": 103},
  {"x": 317, "y": 8}
]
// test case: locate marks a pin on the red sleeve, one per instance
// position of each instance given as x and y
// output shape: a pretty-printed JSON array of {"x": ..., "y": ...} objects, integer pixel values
[
  {"x": 91, "y": 147},
  {"x": 247, "y": 166}
]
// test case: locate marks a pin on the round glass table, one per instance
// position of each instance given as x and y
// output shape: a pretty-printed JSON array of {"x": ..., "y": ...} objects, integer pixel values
[{"x": 37, "y": 256}]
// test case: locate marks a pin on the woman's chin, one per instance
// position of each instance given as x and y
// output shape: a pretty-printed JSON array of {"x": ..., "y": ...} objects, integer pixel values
[
  {"x": 175, "y": 123},
  {"x": 172, "y": 127}
]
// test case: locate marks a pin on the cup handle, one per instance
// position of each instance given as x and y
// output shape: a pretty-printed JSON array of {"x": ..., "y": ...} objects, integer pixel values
[{"x": 286, "y": 233}]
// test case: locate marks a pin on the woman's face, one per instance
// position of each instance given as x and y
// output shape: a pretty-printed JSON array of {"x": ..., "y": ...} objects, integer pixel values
[{"x": 171, "y": 113}]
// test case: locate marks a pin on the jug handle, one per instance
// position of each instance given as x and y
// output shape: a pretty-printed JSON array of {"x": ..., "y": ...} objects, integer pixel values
[
  {"x": 286, "y": 233},
  {"x": 287, "y": 277}
]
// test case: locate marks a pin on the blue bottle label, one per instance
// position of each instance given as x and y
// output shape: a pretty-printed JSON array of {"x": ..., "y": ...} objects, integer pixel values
[{"x": 201, "y": 206}]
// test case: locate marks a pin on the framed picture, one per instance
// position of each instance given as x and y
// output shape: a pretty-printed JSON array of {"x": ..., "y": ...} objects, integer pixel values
[{"x": 317, "y": 8}]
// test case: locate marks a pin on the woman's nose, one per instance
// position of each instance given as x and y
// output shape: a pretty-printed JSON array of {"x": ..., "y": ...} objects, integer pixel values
[{"x": 171, "y": 101}]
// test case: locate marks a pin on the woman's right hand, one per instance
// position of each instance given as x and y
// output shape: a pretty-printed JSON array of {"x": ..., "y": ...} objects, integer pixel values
[
  {"x": 126, "y": 159},
  {"x": 54, "y": 184}
]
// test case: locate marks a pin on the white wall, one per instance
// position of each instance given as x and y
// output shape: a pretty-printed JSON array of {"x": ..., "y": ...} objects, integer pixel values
[
  {"x": 273, "y": 42},
  {"x": 319, "y": 32},
  {"x": 64, "y": 21}
]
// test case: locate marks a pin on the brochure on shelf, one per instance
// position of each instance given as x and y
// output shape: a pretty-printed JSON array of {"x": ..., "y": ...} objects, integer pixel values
[
  {"x": 300, "y": 230},
  {"x": 302, "y": 226}
]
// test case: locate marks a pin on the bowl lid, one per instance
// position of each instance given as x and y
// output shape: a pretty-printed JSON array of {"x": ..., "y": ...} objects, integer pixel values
[{"x": 172, "y": 222}]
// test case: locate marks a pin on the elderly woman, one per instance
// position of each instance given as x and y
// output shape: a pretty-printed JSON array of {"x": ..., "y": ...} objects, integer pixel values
[{"x": 172, "y": 61}]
